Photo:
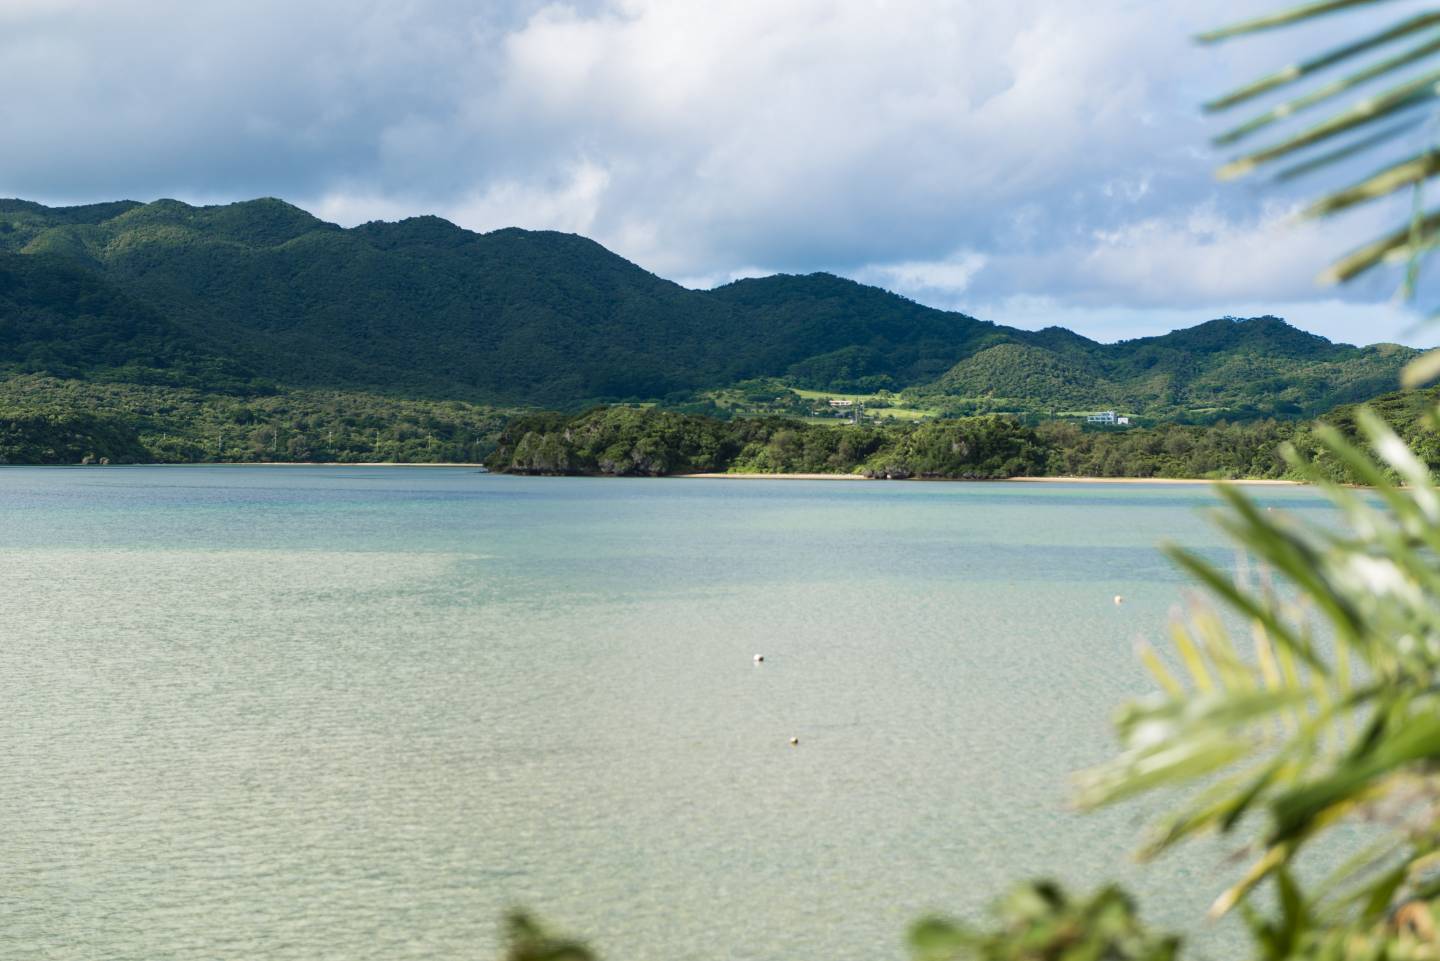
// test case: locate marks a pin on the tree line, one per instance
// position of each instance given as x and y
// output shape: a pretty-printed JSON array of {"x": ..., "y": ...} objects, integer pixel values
[
  {"x": 630, "y": 441},
  {"x": 50, "y": 421}
]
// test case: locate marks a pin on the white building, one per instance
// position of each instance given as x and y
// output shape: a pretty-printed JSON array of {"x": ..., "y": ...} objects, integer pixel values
[
  {"x": 838, "y": 402},
  {"x": 1104, "y": 417}
]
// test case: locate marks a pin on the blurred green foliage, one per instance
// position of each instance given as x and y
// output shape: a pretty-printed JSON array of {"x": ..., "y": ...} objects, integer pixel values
[
  {"x": 527, "y": 940},
  {"x": 1039, "y": 921}
]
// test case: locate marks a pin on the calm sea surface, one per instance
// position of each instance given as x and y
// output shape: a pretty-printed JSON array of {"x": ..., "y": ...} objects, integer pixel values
[{"x": 312, "y": 713}]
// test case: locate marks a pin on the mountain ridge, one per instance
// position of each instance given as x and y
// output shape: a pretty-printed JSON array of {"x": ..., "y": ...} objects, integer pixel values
[{"x": 422, "y": 307}]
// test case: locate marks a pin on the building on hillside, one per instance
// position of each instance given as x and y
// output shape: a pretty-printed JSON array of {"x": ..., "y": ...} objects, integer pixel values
[
  {"x": 1104, "y": 417},
  {"x": 1122, "y": 421},
  {"x": 840, "y": 402}
]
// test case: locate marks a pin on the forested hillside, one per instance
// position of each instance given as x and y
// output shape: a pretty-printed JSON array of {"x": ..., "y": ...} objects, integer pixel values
[
  {"x": 263, "y": 294},
  {"x": 62, "y": 320}
]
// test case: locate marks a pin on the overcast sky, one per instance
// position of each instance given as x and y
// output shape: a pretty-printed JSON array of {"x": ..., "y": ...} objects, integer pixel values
[{"x": 1027, "y": 161}]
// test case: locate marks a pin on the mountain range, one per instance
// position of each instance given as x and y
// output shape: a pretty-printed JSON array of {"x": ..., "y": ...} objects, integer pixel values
[{"x": 261, "y": 293}]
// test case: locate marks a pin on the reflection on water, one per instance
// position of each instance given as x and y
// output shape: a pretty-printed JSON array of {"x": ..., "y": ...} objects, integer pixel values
[{"x": 343, "y": 713}]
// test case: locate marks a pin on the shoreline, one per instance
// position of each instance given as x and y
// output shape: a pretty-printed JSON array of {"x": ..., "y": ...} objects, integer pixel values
[
  {"x": 327, "y": 463},
  {"x": 717, "y": 475},
  {"x": 1259, "y": 481},
  {"x": 1264, "y": 482},
  {"x": 278, "y": 463}
]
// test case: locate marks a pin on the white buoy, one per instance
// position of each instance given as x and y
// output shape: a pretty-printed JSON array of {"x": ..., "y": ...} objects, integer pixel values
[
  {"x": 794, "y": 741},
  {"x": 1119, "y": 600},
  {"x": 759, "y": 658}
]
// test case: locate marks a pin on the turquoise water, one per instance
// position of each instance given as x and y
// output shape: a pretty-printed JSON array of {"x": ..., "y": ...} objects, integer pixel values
[{"x": 314, "y": 713}]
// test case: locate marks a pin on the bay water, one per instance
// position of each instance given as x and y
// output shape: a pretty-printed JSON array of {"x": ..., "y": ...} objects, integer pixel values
[{"x": 359, "y": 713}]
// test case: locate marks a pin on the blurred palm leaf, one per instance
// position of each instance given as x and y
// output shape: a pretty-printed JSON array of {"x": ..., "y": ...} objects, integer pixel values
[
  {"x": 1040, "y": 920},
  {"x": 1330, "y": 710},
  {"x": 528, "y": 940},
  {"x": 1284, "y": 18},
  {"x": 1412, "y": 75}
]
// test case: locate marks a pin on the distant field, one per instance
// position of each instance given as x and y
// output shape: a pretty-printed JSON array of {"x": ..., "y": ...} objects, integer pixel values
[
  {"x": 826, "y": 394},
  {"x": 897, "y": 411}
]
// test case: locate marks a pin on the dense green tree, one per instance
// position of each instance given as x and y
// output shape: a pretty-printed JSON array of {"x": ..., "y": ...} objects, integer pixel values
[{"x": 49, "y": 421}]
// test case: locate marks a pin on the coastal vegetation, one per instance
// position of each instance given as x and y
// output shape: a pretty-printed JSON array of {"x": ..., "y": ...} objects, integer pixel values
[
  {"x": 647, "y": 442},
  {"x": 45, "y": 420},
  {"x": 650, "y": 442}
]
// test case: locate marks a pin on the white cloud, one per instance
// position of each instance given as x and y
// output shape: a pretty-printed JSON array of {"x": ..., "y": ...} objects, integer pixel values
[
  {"x": 1200, "y": 254},
  {"x": 720, "y": 278},
  {"x": 941, "y": 283},
  {"x": 959, "y": 152},
  {"x": 569, "y": 204}
]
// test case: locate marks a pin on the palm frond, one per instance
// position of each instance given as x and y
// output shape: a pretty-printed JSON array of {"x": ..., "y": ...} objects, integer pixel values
[
  {"x": 1304, "y": 68},
  {"x": 1413, "y": 93},
  {"x": 1284, "y": 18},
  {"x": 1353, "y": 121},
  {"x": 1398, "y": 176},
  {"x": 1329, "y": 717},
  {"x": 1346, "y": 151},
  {"x": 1405, "y": 242},
  {"x": 1289, "y": 108}
]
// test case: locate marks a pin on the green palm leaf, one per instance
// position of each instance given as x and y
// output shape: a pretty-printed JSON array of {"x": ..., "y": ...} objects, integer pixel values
[
  {"x": 1304, "y": 68},
  {"x": 1290, "y": 108},
  {"x": 1333, "y": 712},
  {"x": 1284, "y": 18},
  {"x": 1353, "y": 120},
  {"x": 1413, "y": 93}
]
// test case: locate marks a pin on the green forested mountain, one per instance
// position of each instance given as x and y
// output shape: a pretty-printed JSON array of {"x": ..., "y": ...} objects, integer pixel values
[
  {"x": 1019, "y": 371},
  {"x": 262, "y": 293},
  {"x": 1226, "y": 367},
  {"x": 67, "y": 321}
]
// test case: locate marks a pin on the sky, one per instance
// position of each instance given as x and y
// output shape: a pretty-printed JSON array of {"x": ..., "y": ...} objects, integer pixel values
[{"x": 1032, "y": 162}]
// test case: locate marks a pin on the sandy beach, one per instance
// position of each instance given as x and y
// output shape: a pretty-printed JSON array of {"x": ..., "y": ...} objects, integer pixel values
[
  {"x": 1027, "y": 480},
  {"x": 1153, "y": 480},
  {"x": 825, "y": 477},
  {"x": 296, "y": 463}
]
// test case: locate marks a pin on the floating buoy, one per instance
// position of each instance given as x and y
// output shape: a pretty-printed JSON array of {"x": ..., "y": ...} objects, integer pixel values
[
  {"x": 1119, "y": 600},
  {"x": 759, "y": 658},
  {"x": 794, "y": 741}
]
